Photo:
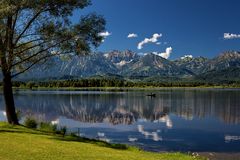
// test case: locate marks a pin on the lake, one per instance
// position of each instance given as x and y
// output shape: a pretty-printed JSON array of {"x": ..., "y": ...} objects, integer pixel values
[{"x": 196, "y": 120}]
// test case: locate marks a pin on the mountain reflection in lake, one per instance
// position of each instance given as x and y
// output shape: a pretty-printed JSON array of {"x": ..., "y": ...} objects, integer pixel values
[{"x": 174, "y": 120}]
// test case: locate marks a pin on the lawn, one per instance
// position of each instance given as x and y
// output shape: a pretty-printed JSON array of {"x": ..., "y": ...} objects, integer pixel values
[{"x": 20, "y": 143}]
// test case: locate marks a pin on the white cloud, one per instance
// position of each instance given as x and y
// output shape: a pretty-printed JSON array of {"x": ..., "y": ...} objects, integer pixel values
[
  {"x": 158, "y": 43},
  {"x": 132, "y": 35},
  {"x": 231, "y": 36},
  {"x": 187, "y": 56},
  {"x": 165, "y": 54},
  {"x": 105, "y": 34},
  {"x": 154, "y": 39}
]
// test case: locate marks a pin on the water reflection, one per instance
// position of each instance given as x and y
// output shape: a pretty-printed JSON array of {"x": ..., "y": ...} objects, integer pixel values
[
  {"x": 129, "y": 107},
  {"x": 154, "y": 135},
  {"x": 174, "y": 120}
]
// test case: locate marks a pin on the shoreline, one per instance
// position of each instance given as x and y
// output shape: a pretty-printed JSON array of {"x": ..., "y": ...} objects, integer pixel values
[
  {"x": 21, "y": 130},
  {"x": 220, "y": 155},
  {"x": 53, "y": 146},
  {"x": 124, "y": 88}
]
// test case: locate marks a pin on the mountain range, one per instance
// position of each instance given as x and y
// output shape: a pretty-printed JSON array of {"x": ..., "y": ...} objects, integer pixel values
[{"x": 127, "y": 64}]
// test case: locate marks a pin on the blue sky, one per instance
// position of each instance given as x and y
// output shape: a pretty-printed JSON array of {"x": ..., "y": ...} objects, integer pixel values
[{"x": 194, "y": 27}]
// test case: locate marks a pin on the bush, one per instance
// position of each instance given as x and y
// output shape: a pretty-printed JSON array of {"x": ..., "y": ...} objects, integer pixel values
[
  {"x": 48, "y": 127},
  {"x": 30, "y": 85},
  {"x": 30, "y": 123},
  {"x": 19, "y": 114},
  {"x": 62, "y": 131}
]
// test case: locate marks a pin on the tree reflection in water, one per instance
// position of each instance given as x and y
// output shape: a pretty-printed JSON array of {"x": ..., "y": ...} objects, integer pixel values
[{"x": 129, "y": 107}]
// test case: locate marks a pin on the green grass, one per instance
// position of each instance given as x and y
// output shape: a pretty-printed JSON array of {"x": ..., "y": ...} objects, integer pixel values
[{"x": 20, "y": 143}]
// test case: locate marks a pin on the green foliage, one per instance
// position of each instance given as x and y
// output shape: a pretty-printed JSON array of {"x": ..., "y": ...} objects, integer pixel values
[
  {"x": 37, "y": 30},
  {"x": 53, "y": 128},
  {"x": 46, "y": 126},
  {"x": 114, "y": 82},
  {"x": 63, "y": 130},
  {"x": 73, "y": 137},
  {"x": 19, "y": 116},
  {"x": 230, "y": 75},
  {"x": 30, "y": 123},
  {"x": 30, "y": 85}
]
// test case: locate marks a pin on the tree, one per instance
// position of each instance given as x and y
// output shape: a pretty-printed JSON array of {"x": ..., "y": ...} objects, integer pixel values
[{"x": 32, "y": 31}]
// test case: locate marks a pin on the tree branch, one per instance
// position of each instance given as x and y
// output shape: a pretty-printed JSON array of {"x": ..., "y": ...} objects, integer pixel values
[
  {"x": 29, "y": 24},
  {"x": 34, "y": 46},
  {"x": 15, "y": 20},
  {"x": 26, "y": 43},
  {"x": 37, "y": 53},
  {"x": 34, "y": 63}
]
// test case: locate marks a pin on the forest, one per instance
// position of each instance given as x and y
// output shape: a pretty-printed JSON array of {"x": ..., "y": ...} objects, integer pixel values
[{"x": 114, "y": 82}]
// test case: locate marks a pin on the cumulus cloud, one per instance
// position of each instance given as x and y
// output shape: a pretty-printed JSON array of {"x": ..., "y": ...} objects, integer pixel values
[
  {"x": 132, "y": 35},
  {"x": 231, "y": 36},
  {"x": 187, "y": 56},
  {"x": 154, "y": 39},
  {"x": 165, "y": 54},
  {"x": 158, "y": 43},
  {"x": 105, "y": 34}
]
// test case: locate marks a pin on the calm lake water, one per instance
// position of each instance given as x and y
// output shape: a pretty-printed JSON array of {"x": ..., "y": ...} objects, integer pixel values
[{"x": 175, "y": 120}]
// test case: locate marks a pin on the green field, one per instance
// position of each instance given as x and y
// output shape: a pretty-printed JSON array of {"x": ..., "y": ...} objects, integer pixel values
[{"x": 20, "y": 143}]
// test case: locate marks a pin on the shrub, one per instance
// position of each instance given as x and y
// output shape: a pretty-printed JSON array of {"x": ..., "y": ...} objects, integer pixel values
[
  {"x": 48, "y": 127},
  {"x": 62, "y": 131},
  {"x": 30, "y": 123},
  {"x": 30, "y": 85},
  {"x": 19, "y": 114}
]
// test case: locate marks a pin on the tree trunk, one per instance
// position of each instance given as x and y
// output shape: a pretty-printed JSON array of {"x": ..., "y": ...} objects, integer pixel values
[{"x": 9, "y": 101}]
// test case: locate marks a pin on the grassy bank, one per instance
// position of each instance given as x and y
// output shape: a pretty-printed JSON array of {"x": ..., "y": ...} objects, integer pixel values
[{"x": 18, "y": 142}]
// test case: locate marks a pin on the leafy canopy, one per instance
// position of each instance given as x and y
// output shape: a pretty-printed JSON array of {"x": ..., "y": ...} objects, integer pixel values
[{"x": 31, "y": 31}]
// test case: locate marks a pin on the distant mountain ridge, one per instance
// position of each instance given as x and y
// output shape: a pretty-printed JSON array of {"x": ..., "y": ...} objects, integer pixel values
[
  {"x": 129, "y": 64},
  {"x": 195, "y": 65},
  {"x": 152, "y": 65}
]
